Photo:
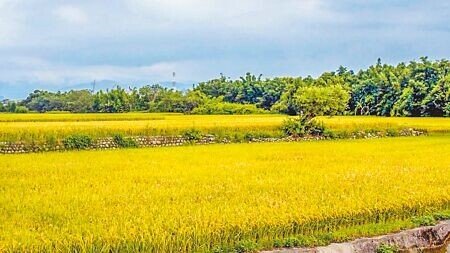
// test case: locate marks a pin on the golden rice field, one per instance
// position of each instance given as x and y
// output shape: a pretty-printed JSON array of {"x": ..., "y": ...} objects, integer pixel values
[
  {"x": 40, "y": 127},
  {"x": 349, "y": 123},
  {"x": 15, "y": 127},
  {"x": 63, "y": 117},
  {"x": 213, "y": 198}
]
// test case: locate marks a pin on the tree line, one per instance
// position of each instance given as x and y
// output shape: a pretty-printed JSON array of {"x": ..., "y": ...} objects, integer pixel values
[{"x": 417, "y": 88}]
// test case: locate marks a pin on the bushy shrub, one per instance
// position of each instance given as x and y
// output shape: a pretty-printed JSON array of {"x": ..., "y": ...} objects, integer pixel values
[
  {"x": 77, "y": 141},
  {"x": 301, "y": 126},
  {"x": 392, "y": 132},
  {"x": 330, "y": 134},
  {"x": 317, "y": 101},
  {"x": 192, "y": 135},
  {"x": 293, "y": 127},
  {"x": 21, "y": 109},
  {"x": 124, "y": 142}
]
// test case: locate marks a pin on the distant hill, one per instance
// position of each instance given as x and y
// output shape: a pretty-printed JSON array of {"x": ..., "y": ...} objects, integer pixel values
[
  {"x": 21, "y": 90},
  {"x": 8, "y": 91},
  {"x": 179, "y": 86},
  {"x": 110, "y": 84}
]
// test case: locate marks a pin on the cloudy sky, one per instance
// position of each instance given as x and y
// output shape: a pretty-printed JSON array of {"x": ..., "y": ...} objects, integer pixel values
[{"x": 57, "y": 44}]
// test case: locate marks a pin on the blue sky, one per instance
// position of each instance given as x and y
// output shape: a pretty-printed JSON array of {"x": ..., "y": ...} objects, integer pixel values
[{"x": 61, "y": 44}]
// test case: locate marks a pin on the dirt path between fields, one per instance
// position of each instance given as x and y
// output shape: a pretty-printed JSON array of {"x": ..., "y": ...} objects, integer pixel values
[{"x": 412, "y": 240}]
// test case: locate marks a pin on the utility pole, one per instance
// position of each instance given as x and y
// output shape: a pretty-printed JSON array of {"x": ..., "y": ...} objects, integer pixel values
[
  {"x": 174, "y": 80},
  {"x": 93, "y": 87}
]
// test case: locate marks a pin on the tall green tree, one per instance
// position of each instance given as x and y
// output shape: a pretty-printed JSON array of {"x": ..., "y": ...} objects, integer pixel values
[{"x": 317, "y": 101}]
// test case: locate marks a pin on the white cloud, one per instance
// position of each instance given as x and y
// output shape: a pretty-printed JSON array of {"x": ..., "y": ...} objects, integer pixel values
[
  {"x": 41, "y": 71},
  {"x": 250, "y": 16},
  {"x": 64, "y": 42},
  {"x": 71, "y": 14},
  {"x": 10, "y": 22}
]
